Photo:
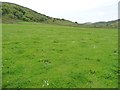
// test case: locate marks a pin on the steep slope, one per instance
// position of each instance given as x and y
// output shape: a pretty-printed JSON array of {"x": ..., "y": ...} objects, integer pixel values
[{"x": 12, "y": 13}]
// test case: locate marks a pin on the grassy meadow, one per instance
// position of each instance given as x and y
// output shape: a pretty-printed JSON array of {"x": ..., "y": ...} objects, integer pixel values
[{"x": 53, "y": 56}]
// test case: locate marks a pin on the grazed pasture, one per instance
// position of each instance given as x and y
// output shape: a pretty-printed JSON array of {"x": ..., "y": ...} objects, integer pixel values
[{"x": 46, "y": 56}]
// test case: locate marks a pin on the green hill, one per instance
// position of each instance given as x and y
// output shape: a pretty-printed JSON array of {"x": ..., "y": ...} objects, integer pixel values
[
  {"x": 13, "y": 13},
  {"x": 113, "y": 24},
  {"x": 109, "y": 24}
]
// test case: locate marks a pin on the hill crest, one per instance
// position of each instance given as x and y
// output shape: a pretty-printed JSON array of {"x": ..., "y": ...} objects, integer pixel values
[{"x": 13, "y": 13}]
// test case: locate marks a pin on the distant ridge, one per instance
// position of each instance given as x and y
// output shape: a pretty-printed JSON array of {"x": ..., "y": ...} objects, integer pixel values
[{"x": 111, "y": 24}]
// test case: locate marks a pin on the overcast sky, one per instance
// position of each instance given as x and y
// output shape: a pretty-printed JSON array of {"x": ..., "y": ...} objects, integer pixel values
[{"x": 75, "y": 10}]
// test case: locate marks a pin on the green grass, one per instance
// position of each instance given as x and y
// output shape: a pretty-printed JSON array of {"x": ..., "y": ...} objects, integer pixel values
[{"x": 34, "y": 54}]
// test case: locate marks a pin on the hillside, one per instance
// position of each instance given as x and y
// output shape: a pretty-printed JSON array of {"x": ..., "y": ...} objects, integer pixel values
[{"x": 13, "y": 13}]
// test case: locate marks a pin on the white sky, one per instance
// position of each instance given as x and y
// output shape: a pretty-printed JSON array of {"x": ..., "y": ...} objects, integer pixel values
[{"x": 75, "y": 10}]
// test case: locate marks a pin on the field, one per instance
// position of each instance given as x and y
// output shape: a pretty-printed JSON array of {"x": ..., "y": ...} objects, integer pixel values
[{"x": 47, "y": 56}]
